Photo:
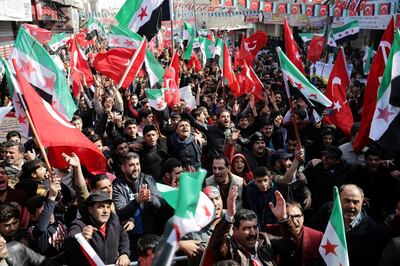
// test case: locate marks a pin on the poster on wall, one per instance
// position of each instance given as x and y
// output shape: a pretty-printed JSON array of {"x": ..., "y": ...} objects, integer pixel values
[{"x": 15, "y": 10}]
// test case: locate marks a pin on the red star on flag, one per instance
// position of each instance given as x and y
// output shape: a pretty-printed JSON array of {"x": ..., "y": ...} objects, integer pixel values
[
  {"x": 384, "y": 113},
  {"x": 206, "y": 211},
  {"x": 143, "y": 13},
  {"x": 129, "y": 43},
  {"x": 299, "y": 85},
  {"x": 27, "y": 68},
  {"x": 329, "y": 248},
  {"x": 114, "y": 41},
  {"x": 160, "y": 104},
  {"x": 22, "y": 119},
  {"x": 49, "y": 82}
]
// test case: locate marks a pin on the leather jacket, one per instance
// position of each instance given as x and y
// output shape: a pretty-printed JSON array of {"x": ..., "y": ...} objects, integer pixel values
[{"x": 21, "y": 255}]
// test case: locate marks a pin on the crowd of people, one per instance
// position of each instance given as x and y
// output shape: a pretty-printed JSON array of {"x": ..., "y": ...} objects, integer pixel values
[{"x": 272, "y": 191}]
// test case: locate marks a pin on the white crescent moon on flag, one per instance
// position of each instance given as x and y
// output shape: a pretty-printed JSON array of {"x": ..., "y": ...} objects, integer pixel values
[
  {"x": 248, "y": 48},
  {"x": 56, "y": 116},
  {"x": 336, "y": 80}
]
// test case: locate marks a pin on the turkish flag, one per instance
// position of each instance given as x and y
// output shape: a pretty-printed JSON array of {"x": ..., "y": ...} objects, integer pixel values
[
  {"x": 172, "y": 94},
  {"x": 254, "y": 42},
  {"x": 310, "y": 10},
  {"x": 175, "y": 64},
  {"x": 254, "y": 5},
  {"x": 337, "y": 11},
  {"x": 115, "y": 62},
  {"x": 371, "y": 89},
  {"x": 384, "y": 9},
  {"x": 353, "y": 5},
  {"x": 194, "y": 62},
  {"x": 57, "y": 134},
  {"x": 362, "y": 5},
  {"x": 237, "y": 56},
  {"x": 79, "y": 67},
  {"x": 292, "y": 51},
  {"x": 352, "y": 13},
  {"x": 268, "y": 7},
  {"x": 242, "y": 2},
  {"x": 258, "y": 86},
  {"x": 369, "y": 10},
  {"x": 228, "y": 74},
  {"x": 316, "y": 48},
  {"x": 41, "y": 35},
  {"x": 228, "y": 3},
  {"x": 82, "y": 40},
  {"x": 282, "y": 8},
  {"x": 323, "y": 10},
  {"x": 339, "y": 113},
  {"x": 295, "y": 9}
]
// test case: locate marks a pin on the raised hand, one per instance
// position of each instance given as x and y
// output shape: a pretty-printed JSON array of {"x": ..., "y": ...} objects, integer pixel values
[
  {"x": 231, "y": 201},
  {"x": 279, "y": 210},
  {"x": 72, "y": 160},
  {"x": 88, "y": 231}
]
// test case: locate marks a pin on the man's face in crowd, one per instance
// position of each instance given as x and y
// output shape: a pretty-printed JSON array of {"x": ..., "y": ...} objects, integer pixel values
[
  {"x": 3, "y": 180},
  {"x": 292, "y": 144},
  {"x": 148, "y": 259},
  {"x": 225, "y": 119},
  {"x": 122, "y": 149},
  {"x": 267, "y": 130},
  {"x": 351, "y": 200},
  {"x": 9, "y": 228},
  {"x": 220, "y": 104},
  {"x": 151, "y": 138},
  {"x": 258, "y": 148},
  {"x": 15, "y": 139},
  {"x": 373, "y": 162},
  {"x": 278, "y": 98},
  {"x": 263, "y": 183},
  {"x": 99, "y": 144},
  {"x": 100, "y": 212},
  {"x": 172, "y": 179},
  {"x": 3, "y": 248},
  {"x": 131, "y": 130},
  {"x": 243, "y": 122},
  {"x": 40, "y": 173},
  {"x": 220, "y": 171},
  {"x": 328, "y": 161},
  {"x": 327, "y": 139},
  {"x": 175, "y": 120},
  {"x": 105, "y": 185},
  {"x": 296, "y": 216},
  {"x": 247, "y": 234},
  {"x": 13, "y": 156},
  {"x": 183, "y": 129},
  {"x": 131, "y": 169},
  {"x": 78, "y": 124},
  {"x": 218, "y": 204}
]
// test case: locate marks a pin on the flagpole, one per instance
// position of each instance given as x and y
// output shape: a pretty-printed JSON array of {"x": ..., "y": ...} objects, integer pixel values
[
  {"x": 133, "y": 59},
  {"x": 296, "y": 129},
  {"x": 35, "y": 134}
]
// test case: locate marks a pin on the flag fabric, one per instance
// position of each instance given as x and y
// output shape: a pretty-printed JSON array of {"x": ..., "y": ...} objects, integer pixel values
[
  {"x": 247, "y": 81},
  {"x": 299, "y": 81},
  {"x": 316, "y": 48},
  {"x": 91, "y": 255},
  {"x": 245, "y": 54},
  {"x": 228, "y": 74},
  {"x": 207, "y": 49},
  {"x": 143, "y": 16},
  {"x": 120, "y": 37},
  {"x": 258, "y": 85},
  {"x": 306, "y": 37},
  {"x": 42, "y": 35},
  {"x": 340, "y": 113},
  {"x": 4, "y": 110},
  {"x": 291, "y": 48},
  {"x": 385, "y": 126},
  {"x": 185, "y": 93},
  {"x": 114, "y": 63},
  {"x": 175, "y": 64},
  {"x": 57, "y": 41},
  {"x": 255, "y": 42},
  {"x": 20, "y": 113},
  {"x": 41, "y": 71},
  {"x": 194, "y": 63},
  {"x": 371, "y": 89},
  {"x": 350, "y": 29},
  {"x": 49, "y": 124},
  {"x": 368, "y": 54},
  {"x": 172, "y": 94},
  {"x": 219, "y": 52},
  {"x": 331, "y": 40},
  {"x": 156, "y": 99},
  {"x": 189, "y": 47},
  {"x": 79, "y": 68},
  {"x": 333, "y": 247},
  {"x": 193, "y": 211},
  {"x": 237, "y": 56}
]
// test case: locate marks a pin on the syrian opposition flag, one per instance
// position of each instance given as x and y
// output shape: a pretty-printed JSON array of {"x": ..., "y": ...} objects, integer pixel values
[
  {"x": 340, "y": 113},
  {"x": 219, "y": 52},
  {"x": 385, "y": 126},
  {"x": 144, "y": 16},
  {"x": 368, "y": 54},
  {"x": 306, "y": 37},
  {"x": 57, "y": 134},
  {"x": 42, "y": 35},
  {"x": 120, "y": 37},
  {"x": 331, "y": 40},
  {"x": 189, "y": 46},
  {"x": 291, "y": 48},
  {"x": 40, "y": 70},
  {"x": 20, "y": 113},
  {"x": 299, "y": 81},
  {"x": 57, "y": 41},
  {"x": 207, "y": 49},
  {"x": 350, "y": 29},
  {"x": 121, "y": 64},
  {"x": 371, "y": 89},
  {"x": 156, "y": 99},
  {"x": 333, "y": 248},
  {"x": 95, "y": 26},
  {"x": 193, "y": 211},
  {"x": 316, "y": 48}
]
